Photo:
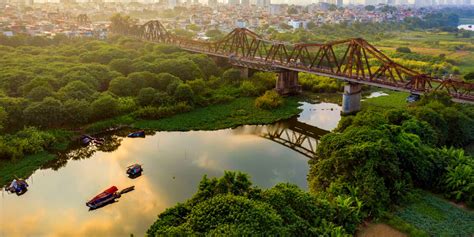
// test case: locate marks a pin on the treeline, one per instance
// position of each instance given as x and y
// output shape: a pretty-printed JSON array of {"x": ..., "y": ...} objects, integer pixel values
[
  {"x": 379, "y": 156},
  {"x": 78, "y": 82}
]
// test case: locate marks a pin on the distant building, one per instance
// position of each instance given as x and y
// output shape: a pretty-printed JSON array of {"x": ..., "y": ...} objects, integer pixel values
[
  {"x": 240, "y": 23},
  {"x": 233, "y": 2},
  {"x": 276, "y": 9},
  {"x": 340, "y": 3},
  {"x": 173, "y": 3},
  {"x": 212, "y": 3},
  {"x": 263, "y": 3},
  {"x": 245, "y": 2}
]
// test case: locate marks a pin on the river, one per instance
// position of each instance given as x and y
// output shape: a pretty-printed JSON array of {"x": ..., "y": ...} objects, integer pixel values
[{"x": 174, "y": 163}]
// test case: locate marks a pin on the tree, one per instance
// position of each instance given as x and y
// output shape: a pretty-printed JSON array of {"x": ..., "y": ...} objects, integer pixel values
[
  {"x": 3, "y": 118},
  {"x": 77, "y": 111},
  {"x": 184, "y": 93},
  {"x": 122, "y": 65},
  {"x": 46, "y": 113},
  {"x": 185, "y": 69},
  {"x": 469, "y": 76},
  {"x": 369, "y": 8},
  {"x": 231, "y": 76},
  {"x": 99, "y": 105},
  {"x": 76, "y": 90},
  {"x": 403, "y": 50},
  {"x": 121, "y": 24},
  {"x": 122, "y": 86},
  {"x": 146, "y": 96},
  {"x": 270, "y": 100},
  {"x": 39, "y": 93}
]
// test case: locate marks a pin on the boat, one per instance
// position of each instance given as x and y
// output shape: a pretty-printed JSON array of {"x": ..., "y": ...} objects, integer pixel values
[
  {"x": 137, "y": 134},
  {"x": 104, "y": 198},
  {"x": 134, "y": 170},
  {"x": 18, "y": 186},
  {"x": 86, "y": 140}
]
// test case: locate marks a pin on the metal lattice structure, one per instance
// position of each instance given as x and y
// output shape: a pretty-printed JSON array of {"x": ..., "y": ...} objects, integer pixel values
[
  {"x": 298, "y": 136},
  {"x": 353, "y": 60},
  {"x": 83, "y": 19}
]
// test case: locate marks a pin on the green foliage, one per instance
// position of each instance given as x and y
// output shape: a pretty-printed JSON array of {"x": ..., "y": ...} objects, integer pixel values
[
  {"x": 469, "y": 76},
  {"x": 122, "y": 65},
  {"x": 184, "y": 93},
  {"x": 122, "y": 86},
  {"x": 436, "y": 217},
  {"x": 231, "y": 76},
  {"x": 270, "y": 100},
  {"x": 229, "y": 205},
  {"x": 185, "y": 69},
  {"x": 76, "y": 90},
  {"x": 104, "y": 101},
  {"x": 316, "y": 83},
  {"x": 46, "y": 113},
  {"x": 403, "y": 50},
  {"x": 150, "y": 112},
  {"x": 3, "y": 117},
  {"x": 458, "y": 180},
  {"x": 237, "y": 112}
]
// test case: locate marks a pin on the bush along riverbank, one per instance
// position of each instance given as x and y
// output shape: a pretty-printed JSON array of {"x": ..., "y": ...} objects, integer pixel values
[{"x": 372, "y": 163}]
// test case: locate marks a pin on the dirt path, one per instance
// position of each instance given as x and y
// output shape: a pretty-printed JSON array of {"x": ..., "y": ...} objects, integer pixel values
[{"x": 380, "y": 229}]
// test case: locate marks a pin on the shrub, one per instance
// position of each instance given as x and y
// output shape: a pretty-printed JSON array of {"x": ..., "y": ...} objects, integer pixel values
[
  {"x": 99, "y": 105},
  {"x": 150, "y": 112},
  {"x": 270, "y": 100},
  {"x": 403, "y": 50},
  {"x": 146, "y": 96},
  {"x": 247, "y": 88}
]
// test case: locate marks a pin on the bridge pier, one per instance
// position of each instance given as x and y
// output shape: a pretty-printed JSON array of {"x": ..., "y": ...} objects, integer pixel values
[
  {"x": 287, "y": 83},
  {"x": 351, "y": 98},
  {"x": 244, "y": 72}
]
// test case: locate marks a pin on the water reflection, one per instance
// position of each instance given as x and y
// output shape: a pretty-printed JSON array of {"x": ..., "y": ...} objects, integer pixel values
[{"x": 173, "y": 163}]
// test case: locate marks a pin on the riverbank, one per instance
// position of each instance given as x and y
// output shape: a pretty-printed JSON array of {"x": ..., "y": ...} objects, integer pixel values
[{"x": 240, "y": 111}]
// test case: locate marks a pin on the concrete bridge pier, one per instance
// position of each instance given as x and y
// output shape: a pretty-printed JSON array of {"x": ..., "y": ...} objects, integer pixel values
[
  {"x": 287, "y": 83},
  {"x": 351, "y": 98},
  {"x": 244, "y": 72}
]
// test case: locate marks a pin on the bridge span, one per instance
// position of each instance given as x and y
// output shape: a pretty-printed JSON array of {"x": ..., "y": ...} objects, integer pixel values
[{"x": 354, "y": 61}]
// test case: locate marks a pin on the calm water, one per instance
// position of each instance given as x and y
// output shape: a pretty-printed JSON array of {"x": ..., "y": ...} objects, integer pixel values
[{"x": 174, "y": 162}]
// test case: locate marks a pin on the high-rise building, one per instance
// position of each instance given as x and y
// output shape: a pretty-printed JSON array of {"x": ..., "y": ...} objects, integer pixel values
[
  {"x": 212, "y": 3},
  {"x": 263, "y": 3},
  {"x": 173, "y": 3}
]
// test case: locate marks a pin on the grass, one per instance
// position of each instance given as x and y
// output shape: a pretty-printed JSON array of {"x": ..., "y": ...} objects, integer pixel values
[
  {"x": 238, "y": 112},
  {"x": 428, "y": 215},
  {"x": 395, "y": 99},
  {"x": 23, "y": 167}
]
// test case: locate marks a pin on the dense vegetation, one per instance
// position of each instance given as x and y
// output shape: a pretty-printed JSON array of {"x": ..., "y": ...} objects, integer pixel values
[
  {"x": 230, "y": 205},
  {"x": 50, "y": 87},
  {"x": 380, "y": 155}
]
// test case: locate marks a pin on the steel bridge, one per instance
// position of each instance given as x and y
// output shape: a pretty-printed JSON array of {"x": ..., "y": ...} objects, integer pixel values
[{"x": 352, "y": 60}]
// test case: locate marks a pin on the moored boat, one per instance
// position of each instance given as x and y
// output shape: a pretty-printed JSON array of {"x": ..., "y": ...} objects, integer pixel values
[
  {"x": 134, "y": 170},
  {"x": 105, "y": 197},
  {"x": 137, "y": 134},
  {"x": 18, "y": 186}
]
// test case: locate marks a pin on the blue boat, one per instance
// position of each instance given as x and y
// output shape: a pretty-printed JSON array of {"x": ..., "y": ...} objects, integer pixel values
[
  {"x": 137, "y": 134},
  {"x": 18, "y": 186},
  {"x": 134, "y": 170}
]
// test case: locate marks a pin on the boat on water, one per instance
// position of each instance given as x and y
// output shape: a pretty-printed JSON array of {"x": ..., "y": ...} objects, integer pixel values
[
  {"x": 134, "y": 170},
  {"x": 18, "y": 186},
  {"x": 137, "y": 134},
  {"x": 86, "y": 140},
  {"x": 104, "y": 198}
]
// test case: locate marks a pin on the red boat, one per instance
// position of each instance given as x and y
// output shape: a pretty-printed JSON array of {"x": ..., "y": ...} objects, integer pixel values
[{"x": 105, "y": 197}]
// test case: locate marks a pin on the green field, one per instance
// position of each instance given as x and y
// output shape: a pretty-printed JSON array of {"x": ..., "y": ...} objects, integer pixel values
[
  {"x": 429, "y": 215},
  {"x": 395, "y": 99},
  {"x": 238, "y": 112}
]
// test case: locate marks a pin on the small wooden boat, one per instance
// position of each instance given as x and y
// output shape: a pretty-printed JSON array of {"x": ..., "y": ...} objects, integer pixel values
[
  {"x": 104, "y": 198},
  {"x": 18, "y": 186},
  {"x": 134, "y": 170},
  {"x": 137, "y": 134}
]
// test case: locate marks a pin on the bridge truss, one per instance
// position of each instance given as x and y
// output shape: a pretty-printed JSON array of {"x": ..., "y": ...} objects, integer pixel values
[{"x": 352, "y": 60}]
